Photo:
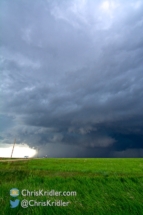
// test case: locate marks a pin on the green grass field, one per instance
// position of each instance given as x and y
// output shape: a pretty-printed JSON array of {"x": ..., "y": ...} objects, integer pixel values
[{"x": 103, "y": 186}]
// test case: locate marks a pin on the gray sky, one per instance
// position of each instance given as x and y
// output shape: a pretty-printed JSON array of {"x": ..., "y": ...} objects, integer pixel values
[{"x": 71, "y": 76}]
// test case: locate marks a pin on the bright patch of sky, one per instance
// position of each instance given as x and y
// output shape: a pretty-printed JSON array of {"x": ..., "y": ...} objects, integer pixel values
[{"x": 20, "y": 151}]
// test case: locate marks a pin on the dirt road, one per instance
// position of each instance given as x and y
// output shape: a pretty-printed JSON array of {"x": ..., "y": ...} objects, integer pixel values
[{"x": 13, "y": 160}]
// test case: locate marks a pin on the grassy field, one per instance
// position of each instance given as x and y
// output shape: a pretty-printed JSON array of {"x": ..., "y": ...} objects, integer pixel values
[{"x": 103, "y": 186}]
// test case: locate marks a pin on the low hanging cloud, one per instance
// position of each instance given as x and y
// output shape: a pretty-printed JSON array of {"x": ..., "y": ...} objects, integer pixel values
[
  {"x": 71, "y": 76},
  {"x": 100, "y": 142}
]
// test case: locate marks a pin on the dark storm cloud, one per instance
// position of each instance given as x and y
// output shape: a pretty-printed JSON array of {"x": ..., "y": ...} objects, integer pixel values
[{"x": 71, "y": 76}]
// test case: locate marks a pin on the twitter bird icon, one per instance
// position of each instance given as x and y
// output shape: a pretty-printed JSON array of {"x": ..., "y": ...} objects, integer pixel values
[{"x": 14, "y": 203}]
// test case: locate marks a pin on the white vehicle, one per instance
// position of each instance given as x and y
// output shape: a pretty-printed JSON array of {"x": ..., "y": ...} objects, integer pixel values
[{"x": 26, "y": 156}]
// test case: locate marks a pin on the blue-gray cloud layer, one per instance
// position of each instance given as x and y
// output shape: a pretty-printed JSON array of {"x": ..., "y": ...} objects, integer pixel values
[{"x": 72, "y": 76}]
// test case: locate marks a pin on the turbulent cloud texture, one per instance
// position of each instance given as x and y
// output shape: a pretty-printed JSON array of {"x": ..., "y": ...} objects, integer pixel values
[{"x": 72, "y": 76}]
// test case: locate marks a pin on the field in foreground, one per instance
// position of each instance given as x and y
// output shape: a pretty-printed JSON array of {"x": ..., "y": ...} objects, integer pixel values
[{"x": 103, "y": 186}]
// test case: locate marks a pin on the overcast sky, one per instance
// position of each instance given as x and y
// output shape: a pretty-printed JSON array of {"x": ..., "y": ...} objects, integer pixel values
[{"x": 71, "y": 76}]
